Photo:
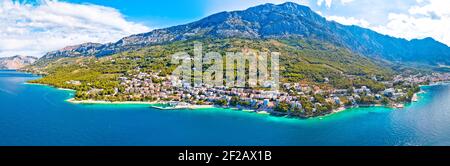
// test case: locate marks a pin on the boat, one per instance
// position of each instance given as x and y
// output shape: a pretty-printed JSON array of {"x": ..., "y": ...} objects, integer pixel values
[
  {"x": 415, "y": 98},
  {"x": 399, "y": 106},
  {"x": 263, "y": 112}
]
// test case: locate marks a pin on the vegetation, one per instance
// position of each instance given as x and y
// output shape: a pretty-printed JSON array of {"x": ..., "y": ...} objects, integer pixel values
[
  {"x": 311, "y": 62},
  {"x": 300, "y": 61}
]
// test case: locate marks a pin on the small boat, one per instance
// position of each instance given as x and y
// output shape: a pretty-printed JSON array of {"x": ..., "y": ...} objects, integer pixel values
[
  {"x": 415, "y": 98},
  {"x": 399, "y": 106},
  {"x": 263, "y": 112}
]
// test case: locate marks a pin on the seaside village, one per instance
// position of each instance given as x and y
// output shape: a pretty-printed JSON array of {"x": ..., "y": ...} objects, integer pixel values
[{"x": 295, "y": 99}]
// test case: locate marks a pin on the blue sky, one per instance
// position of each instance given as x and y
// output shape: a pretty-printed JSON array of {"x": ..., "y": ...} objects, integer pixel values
[
  {"x": 34, "y": 27},
  {"x": 159, "y": 14},
  {"x": 155, "y": 13}
]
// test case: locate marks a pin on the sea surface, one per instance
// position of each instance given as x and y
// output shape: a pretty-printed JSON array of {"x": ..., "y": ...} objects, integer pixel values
[{"x": 39, "y": 115}]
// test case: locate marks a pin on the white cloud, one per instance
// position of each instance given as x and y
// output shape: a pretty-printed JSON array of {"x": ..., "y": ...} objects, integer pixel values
[
  {"x": 346, "y": 1},
  {"x": 430, "y": 18},
  {"x": 27, "y": 29},
  {"x": 349, "y": 21},
  {"x": 328, "y": 3}
]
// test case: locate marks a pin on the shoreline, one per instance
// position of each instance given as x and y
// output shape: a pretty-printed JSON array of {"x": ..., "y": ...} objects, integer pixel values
[
  {"x": 193, "y": 107},
  {"x": 65, "y": 89},
  {"x": 73, "y": 101},
  {"x": 150, "y": 103},
  {"x": 440, "y": 83}
]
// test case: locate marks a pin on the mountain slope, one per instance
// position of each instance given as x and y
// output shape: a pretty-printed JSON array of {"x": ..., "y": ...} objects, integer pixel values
[
  {"x": 313, "y": 64},
  {"x": 16, "y": 62},
  {"x": 285, "y": 21}
]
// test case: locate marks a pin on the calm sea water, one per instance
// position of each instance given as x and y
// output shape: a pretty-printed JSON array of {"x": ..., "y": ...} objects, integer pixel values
[{"x": 38, "y": 115}]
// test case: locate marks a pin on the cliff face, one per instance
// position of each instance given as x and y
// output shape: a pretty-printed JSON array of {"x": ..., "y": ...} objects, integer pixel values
[{"x": 16, "y": 62}]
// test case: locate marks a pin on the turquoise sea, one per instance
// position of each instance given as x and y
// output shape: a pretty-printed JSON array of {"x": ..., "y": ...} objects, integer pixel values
[{"x": 39, "y": 115}]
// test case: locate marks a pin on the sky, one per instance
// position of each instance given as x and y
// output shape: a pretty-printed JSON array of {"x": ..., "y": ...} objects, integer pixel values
[{"x": 34, "y": 27}]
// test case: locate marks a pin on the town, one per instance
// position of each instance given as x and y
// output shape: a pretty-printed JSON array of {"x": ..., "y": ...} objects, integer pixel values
[{"x": 293, "y": 99}]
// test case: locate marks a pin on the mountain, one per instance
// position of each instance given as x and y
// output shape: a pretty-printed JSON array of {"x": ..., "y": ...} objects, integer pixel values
[
  {"x": 16, "y": 62},
  {"x": 284, "y": 21},
  {"x": 76, "y": 50}
]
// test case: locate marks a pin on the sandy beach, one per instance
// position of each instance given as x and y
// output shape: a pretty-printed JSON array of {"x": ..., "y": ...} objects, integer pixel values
[
  {"x": 190, "y": 107},
  {"x": 108, "y": 102},
  {"x": 340, "y": 109},
  {"x": 139, "y": 102},
  {"x": 66, "y": 89},
  {"x": 27, "y": 83}
]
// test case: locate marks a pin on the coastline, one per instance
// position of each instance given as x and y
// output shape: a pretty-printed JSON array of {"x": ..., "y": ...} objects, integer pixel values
[
  {"x": 72, "y": 100},
  {"x": 193, "y": 107},
  {"x": 436, "y": 84},
  {"x": 64, "y": 89},
  {"x": 150, "y": 103}
]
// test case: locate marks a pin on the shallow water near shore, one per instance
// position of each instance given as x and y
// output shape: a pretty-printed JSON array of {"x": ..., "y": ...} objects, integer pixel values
[{"x": 39, "y": 115}]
